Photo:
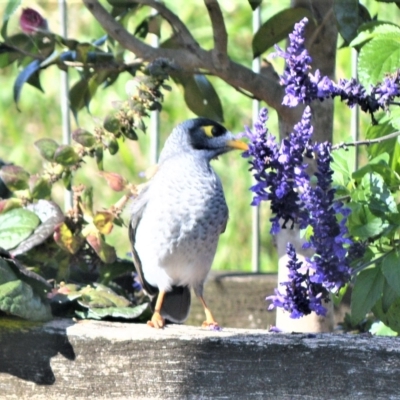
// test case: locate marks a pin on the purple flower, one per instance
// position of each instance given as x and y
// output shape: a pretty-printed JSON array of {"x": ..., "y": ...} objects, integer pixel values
[
  {"x": 279, "y": 170},
  {"x": 301, "y": 86},
  {"x": 31, "y": 21},
  {"x": 300, "y": 296}
]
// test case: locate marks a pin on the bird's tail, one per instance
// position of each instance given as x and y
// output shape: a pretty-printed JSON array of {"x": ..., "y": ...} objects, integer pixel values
[{"x": 176, "y": 304}]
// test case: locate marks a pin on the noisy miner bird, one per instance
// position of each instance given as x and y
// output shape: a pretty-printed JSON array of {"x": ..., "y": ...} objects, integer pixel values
[{"x": 177, "y": 219}]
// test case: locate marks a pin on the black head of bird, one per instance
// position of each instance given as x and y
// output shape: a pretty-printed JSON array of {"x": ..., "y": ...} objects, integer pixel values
[{"x": 178, "y": 217}]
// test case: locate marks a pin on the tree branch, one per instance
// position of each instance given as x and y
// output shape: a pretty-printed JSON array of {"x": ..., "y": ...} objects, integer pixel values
[
  {"x": 191, "y": 57},
  {"x": 220, "y": 35},
  {"x": 177, "y": 25},
  {"x": 366, "y": 142}
]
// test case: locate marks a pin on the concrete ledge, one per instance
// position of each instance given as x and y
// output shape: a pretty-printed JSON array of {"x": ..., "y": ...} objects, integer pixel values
[{"x": 103, "y": 360}]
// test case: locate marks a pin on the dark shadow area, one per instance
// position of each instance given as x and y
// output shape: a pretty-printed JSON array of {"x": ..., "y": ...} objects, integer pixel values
[{"x": 26, "y": 349}]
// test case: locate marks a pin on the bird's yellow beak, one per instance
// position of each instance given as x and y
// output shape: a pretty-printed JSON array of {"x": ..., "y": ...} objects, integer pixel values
[{"x": 237, "y": 144}]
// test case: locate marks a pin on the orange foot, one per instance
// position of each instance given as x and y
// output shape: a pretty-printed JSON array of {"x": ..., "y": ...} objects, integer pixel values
[
  {"x": 211, "y": 325},
  {"x": 157, "y": 321}
]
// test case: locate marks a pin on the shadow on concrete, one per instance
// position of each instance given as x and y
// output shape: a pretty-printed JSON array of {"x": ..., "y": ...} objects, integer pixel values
[{"x": 26, "y": 349}]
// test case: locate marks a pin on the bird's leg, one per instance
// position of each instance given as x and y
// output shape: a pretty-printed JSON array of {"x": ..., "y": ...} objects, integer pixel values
[
  {"x": 157, "y": 321},
  {"x": 210, "y": 322}
]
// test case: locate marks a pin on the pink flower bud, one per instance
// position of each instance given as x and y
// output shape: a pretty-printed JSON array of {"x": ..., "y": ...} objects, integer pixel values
[{"x": 31, "y": 21}]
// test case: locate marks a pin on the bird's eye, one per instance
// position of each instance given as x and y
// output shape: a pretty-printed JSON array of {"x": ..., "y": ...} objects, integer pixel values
[{"x": 214, "y": 130}]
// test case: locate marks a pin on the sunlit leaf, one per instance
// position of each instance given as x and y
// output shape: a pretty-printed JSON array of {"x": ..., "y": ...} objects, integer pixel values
[
  {"x": 103, "y": 221},
  {"x": 66, "y": 239},
  {"x": 39, "y": 187},
  {"x": 17, "y": 298},
  {"x": 47, "y": 148},
  {"x": 15, "y": 226},
  {"x": 66, "y": 155},
  {"x": 83, "y": 137}
]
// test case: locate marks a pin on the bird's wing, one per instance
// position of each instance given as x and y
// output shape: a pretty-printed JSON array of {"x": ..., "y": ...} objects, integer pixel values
[{"x": 138, "y": 207}]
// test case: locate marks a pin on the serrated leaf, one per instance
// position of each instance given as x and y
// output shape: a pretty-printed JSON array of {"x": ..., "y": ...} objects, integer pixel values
[
  {"x": 17, "y": 298},
  {"x": 371, "y": 29},
  {"x": 277, "y": 28},
  {"x": 47, "y": 148},
  {"x": 14, "y": 177},
  {"x": 346, "y": 13},
  {"x": 378, "y": 57},
  {"x": 366, "y": 292},
  {"x": 201, "y": 97},
  {"x": 15, "y": 226},
  {"x": 24, "y": 76},
  {"x": 66, "y": 155},
  {"x": 391, "y": 270}
]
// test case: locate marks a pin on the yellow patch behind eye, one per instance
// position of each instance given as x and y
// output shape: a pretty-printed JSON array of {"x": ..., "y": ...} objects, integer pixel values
[{"x": 208, "y": 130}]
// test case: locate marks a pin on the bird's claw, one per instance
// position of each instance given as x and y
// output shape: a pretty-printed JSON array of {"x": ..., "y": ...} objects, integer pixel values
[
  {"x": 157, "y": 321},
  {"x": 211, "y": 325}
]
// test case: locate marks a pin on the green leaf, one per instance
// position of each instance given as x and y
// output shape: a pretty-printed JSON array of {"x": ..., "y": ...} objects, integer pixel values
[
  {"x": 26, "y": 75},
  {"x": 10, "y": 9},
  {"x": 14, "y": 177},
  {"x": 347, "y": 18},
  {"x": 47, "y": 148},
  {"x": 378, "y": 57},
  {"x": 17, "y": 298},
  {"x": 113, "y": 312},
  {"x": 99, "y": 157},
  {"x": 66, "y": 156},
  {"x": 15, "y": 226},
  {"x": 201, "y": 97},
  {"x": 113, "y": 146},
  {"x": 6, "y": 273},
  {"x": 111, "y": 123},
  {"x": 366, "y": 292},
  {"x": 391, "y": 270},
  {"x": 392, "y": 317},
  {"x": 83, "y": 137},
  {"x": 129, "y": 132},
  {"x": 277, "y": 28},
  {"x": 380, "y": 329},
  {"x": 341, "y": 167},
  {"x": 39, "y": 187},
  {"x": 101, "y": 296},
  {"x": 372, "y": 29},
  {"x": 50, "y": 216}
]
